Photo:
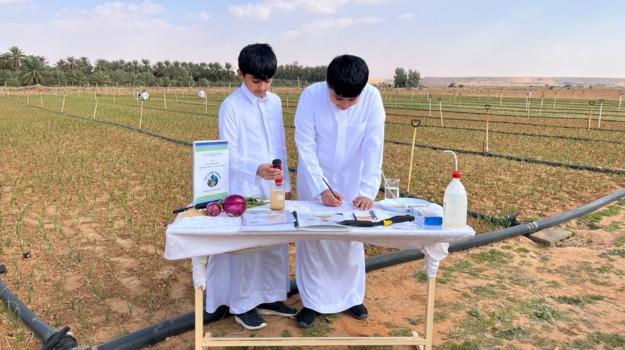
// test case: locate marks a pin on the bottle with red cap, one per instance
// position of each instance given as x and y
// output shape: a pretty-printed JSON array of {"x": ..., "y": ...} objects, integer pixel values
[
  {"x": 276, "y": 200},
  {"x": 455, "y": 200}
]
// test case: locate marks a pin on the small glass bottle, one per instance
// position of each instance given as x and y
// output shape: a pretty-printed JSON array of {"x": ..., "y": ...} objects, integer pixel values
[{"x": 276, "y": 201}]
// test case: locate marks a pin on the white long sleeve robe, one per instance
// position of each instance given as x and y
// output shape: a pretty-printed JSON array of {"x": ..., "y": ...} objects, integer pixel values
[
  {"x": 346, "y": 148},
  {"x": 255, "y": 132}
]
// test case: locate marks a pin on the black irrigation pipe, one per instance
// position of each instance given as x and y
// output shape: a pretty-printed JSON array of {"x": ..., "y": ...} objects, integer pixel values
[
  {"x": 581, "y": 115},
  {"x": 52, "y": 338},
  {"x": 160, "y": 331},
  {"x": 574, "y": 138},
  {"x": 504, "y": 122},
  {"x": 574, "y": 166},
  {"x": 520, "y": 111}
]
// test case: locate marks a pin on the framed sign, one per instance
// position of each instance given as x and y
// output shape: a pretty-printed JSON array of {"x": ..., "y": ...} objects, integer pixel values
[{"x": 211, "y": 165}]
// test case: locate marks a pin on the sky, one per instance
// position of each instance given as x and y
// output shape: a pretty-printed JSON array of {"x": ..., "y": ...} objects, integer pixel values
[{"x": 441, "y": 38}]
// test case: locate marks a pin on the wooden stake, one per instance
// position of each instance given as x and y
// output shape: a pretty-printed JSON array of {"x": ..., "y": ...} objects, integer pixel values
[
  {"x": 600, "y": 111},
  {"x": 429, "y": 313},
  {"x": 165, "y": 99},
  {"x": 287, "y": 101},
  {"x": 620, "y": 99},
  {"x": 95, "y": 109},
  {"x": 542, "y": 102},
  {"x": 487, "y": 108},
  {"x": 591, "y": 103},
  {"x": 430, "y": 110},
  {"x": 41, "y": 99},
  {"x": 206, "y": 104},
  {"x": 63, "y": 105},
  {"x": 415, "y": 123},
  {"x": 141, "y": 116},
  {"x": 27, "y": 99},
  {"x": 440, "y": 109}
]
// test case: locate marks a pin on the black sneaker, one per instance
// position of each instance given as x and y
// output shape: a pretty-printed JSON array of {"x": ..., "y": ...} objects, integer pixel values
[
  {"x": 359, "y": 312},
  {"x": 306, "y": 317},
  {"x": 250, "y": 320},
  {"x": 219, "y": 314},
  {"x": 277, "y": 308}
]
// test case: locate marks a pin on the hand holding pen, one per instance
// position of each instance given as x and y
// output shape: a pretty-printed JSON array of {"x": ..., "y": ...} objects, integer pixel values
[{"x": 330, "y": 197}]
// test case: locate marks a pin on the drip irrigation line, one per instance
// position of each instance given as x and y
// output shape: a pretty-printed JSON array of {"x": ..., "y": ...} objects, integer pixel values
[
  {"x": 574, "y": 138},
  {"x": 52, "y": 338},
  {"x": 505, "y": 122},
  {"x": 574, "y": 166}
]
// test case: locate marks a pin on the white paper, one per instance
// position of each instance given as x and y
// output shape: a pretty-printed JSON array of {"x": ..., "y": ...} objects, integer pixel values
[{"x": 211, "y": 165}]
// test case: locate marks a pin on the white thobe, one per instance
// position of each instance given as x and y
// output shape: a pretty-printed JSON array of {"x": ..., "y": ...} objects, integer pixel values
[
  {"x": 346, "y": 148},
  {"x": 255, "y": 132}
]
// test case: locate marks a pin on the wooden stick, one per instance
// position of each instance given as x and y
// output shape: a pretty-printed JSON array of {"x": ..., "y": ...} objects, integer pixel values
[
  {"x": 27, "y": 99},
  {"x": 429, "y": 313},
  {"x": 415, "y": 123},
  {"x": 206, "y": 104},
  {"x": 199, "y": 318},
  {"x": 440, "y": 109},
  {"x": 430, "y": 110},
  {"x": 95, "y": 108},
  {"x": 600, "y": 110},
  {"x": 41, "y": 99},
  {"x": 141, "y": 116},
  {"x": 164, "y": 99},
  {"x": 63, "y": 104}
]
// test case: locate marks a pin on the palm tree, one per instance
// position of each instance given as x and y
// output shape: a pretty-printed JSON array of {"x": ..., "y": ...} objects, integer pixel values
[
  {"x": 33, "y": 71},
  {"x": 14, "y": 58}
]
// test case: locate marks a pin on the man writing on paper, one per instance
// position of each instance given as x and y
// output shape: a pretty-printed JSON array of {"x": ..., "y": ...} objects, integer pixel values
[
  {"x": 251, "y": 120},
  {"x": 339, "y": 131}
]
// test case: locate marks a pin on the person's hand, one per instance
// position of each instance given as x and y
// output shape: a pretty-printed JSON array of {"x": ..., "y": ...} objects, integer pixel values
[
  {"x": 362, "y": 202},
  {"x": 328, "y": 199},
  {"x": 287, "y": 196},
  {"x": 268, "y": 172}
]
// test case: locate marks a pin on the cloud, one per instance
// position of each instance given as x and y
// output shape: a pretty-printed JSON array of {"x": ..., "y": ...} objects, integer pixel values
[
  {"x": 407, "y": 15},
  {"x": 291, "y": 34},
  {"x": 202, "y": 16},
  {"x": 265, "y": 9},
  {"x": 13, "y": 2},
  {"x": 338, "y": 23}
]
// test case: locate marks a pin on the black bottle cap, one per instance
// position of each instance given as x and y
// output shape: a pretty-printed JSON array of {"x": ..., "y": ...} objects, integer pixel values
[{"x": 276, "y": 163}]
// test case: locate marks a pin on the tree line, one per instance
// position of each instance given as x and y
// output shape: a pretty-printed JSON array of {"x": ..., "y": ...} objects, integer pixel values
[
  {"x": 403, "y": 78},
  {"x": 19, "y": 69}
]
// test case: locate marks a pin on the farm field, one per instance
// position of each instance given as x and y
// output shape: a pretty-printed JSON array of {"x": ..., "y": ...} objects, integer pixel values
[{"x": 85, "y": 198}]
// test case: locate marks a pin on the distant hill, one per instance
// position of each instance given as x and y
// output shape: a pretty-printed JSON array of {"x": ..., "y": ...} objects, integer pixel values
[{"x": 523, "y": 81}]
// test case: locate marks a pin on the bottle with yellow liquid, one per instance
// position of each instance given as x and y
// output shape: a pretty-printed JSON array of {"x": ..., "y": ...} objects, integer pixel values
[{"x": 276, "y": 200}]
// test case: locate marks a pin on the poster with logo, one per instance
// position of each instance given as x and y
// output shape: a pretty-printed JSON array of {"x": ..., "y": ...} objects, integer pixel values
[{"x": 211, "y": 164}]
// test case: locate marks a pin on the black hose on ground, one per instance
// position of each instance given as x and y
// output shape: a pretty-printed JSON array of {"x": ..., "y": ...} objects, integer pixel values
[
  {"x": 52, "y": 338},
  {"x": 151, "y": 335}
]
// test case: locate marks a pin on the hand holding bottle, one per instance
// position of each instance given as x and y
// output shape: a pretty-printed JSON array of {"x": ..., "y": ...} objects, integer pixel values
[{"x": 268, "y": 172}]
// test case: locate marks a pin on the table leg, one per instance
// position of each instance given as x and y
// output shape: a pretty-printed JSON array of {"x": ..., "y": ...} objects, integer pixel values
[
  {"x": 429, "y": 313},
  {"x": 199, "y": 318}
]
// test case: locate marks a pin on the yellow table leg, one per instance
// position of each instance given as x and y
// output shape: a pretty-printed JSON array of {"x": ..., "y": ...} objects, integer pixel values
[
  {"x": 429, "y": 313},
  {"x": 199, "y": 318}
]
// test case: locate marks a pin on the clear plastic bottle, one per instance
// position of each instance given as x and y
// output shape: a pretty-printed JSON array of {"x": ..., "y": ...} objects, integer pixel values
[
  {"x": 455, "y": 200},
  {"x": 276, "y": 200}
]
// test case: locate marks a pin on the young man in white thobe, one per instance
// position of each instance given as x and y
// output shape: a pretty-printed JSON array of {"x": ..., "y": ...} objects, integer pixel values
[
  {"x": 339, "y": 131},
  {"x": 251, "y": 120}
]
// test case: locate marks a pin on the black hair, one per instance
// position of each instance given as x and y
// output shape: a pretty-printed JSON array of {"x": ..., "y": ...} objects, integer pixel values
[
  {"x": 347, "y": 75},
  {"x": 258, "y": 60}
]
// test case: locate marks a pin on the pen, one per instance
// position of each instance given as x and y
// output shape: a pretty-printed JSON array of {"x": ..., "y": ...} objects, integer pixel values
[
  {"x": 296, "y": 223},
  {"x": 330, "y": 188},
  {"x": 372, "y": 213}
]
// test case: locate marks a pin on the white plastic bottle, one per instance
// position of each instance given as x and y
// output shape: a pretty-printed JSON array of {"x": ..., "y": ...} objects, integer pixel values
[{"x": 455, "y": 201}]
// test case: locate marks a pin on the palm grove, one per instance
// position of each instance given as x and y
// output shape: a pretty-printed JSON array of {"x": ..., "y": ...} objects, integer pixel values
[{"x": 19, "y": 69}]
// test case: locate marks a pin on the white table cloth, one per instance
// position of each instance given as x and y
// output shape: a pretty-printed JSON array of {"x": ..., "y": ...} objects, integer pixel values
[{"x": 200, "y": 236}]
